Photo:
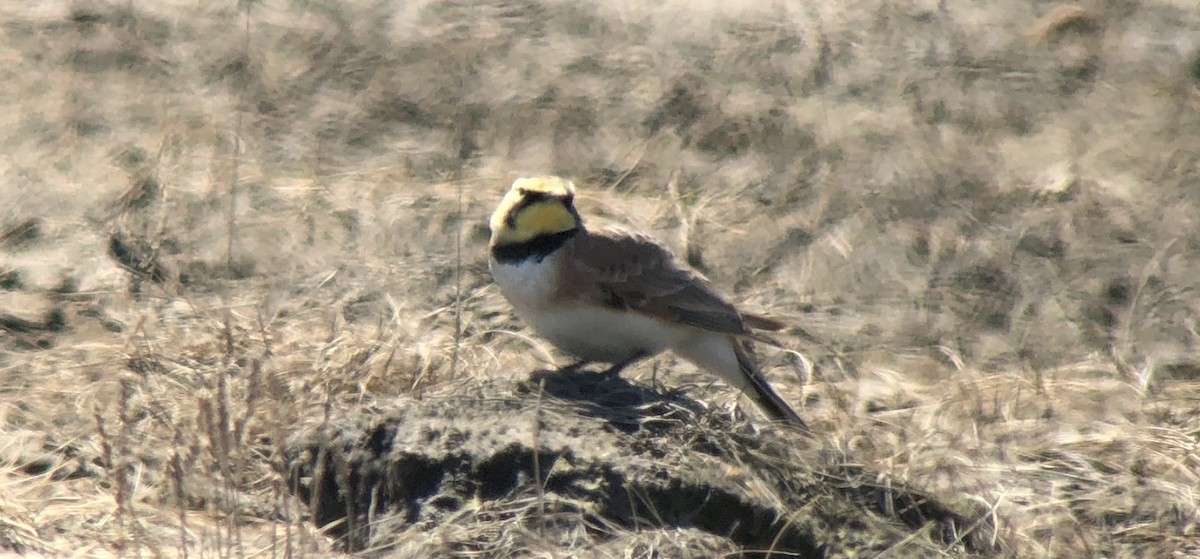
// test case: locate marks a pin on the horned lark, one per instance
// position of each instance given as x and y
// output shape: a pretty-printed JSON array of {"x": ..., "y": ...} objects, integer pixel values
[{"x": 613, "y": 296}]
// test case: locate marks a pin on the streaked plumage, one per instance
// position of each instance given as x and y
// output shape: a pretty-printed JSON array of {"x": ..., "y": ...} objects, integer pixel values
[{"x": 615, "y": 296}]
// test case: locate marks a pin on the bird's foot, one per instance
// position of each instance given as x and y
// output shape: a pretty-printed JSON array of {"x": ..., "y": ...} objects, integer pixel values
[
  {"x": 575, "y": 367},
  {"x": 615, "y": 370}
]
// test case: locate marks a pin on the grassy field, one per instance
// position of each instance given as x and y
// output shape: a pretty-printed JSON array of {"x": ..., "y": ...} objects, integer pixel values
[{"x": 221, "y": 220}]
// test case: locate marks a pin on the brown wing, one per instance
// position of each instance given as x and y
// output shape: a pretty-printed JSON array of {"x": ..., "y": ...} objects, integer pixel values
[{"x": 628, "y": 270}]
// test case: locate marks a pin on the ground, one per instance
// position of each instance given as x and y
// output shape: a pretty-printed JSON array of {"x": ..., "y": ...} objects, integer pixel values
[{"x": 221, "y": 223}]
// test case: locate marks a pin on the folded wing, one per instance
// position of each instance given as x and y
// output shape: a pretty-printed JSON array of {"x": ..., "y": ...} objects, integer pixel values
[{"x": 632, "y": 271}]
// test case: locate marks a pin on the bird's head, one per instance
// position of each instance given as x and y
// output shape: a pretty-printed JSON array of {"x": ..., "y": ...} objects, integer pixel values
[{"x": 535, "y": 207}]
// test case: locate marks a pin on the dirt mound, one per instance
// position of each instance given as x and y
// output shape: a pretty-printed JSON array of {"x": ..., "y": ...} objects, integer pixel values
[{"x": 579, "y": 463}]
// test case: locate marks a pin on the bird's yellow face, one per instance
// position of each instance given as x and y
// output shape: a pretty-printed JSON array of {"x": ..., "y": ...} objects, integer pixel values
[{"x": 534, "y": 207}]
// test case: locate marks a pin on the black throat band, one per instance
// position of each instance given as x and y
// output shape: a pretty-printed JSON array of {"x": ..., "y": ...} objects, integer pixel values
[{"x": 536, "y": 248}]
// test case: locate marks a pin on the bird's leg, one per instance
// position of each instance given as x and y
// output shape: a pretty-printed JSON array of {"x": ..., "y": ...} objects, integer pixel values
[
  {"x": 576, "y": 365},
  {"x": 615, "y": 370}
]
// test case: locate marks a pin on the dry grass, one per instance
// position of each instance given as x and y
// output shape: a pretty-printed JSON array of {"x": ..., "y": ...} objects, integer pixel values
[{"x": 219, "y": 220}]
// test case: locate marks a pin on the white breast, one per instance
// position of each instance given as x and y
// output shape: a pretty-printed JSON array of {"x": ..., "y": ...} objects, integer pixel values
[
  {"x": 528, "y": 285},
  {"x": 593, "y": 333}
]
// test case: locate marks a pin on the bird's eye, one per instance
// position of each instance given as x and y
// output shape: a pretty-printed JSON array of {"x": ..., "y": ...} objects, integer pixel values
[{"x": 522, "y": 191}]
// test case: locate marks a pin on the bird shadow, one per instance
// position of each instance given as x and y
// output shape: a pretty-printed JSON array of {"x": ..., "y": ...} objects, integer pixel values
[{"x": 622, "y": 404}]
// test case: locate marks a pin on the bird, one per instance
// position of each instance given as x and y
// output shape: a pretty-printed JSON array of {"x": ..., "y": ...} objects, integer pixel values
[{"x": 614, "y": 295}]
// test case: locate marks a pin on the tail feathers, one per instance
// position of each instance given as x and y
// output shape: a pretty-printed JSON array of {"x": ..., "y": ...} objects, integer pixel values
[
  {"x": 760, "y": 322},
  {"x": 756, "y": 323},
  {"x": 757, "y": 388}
]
